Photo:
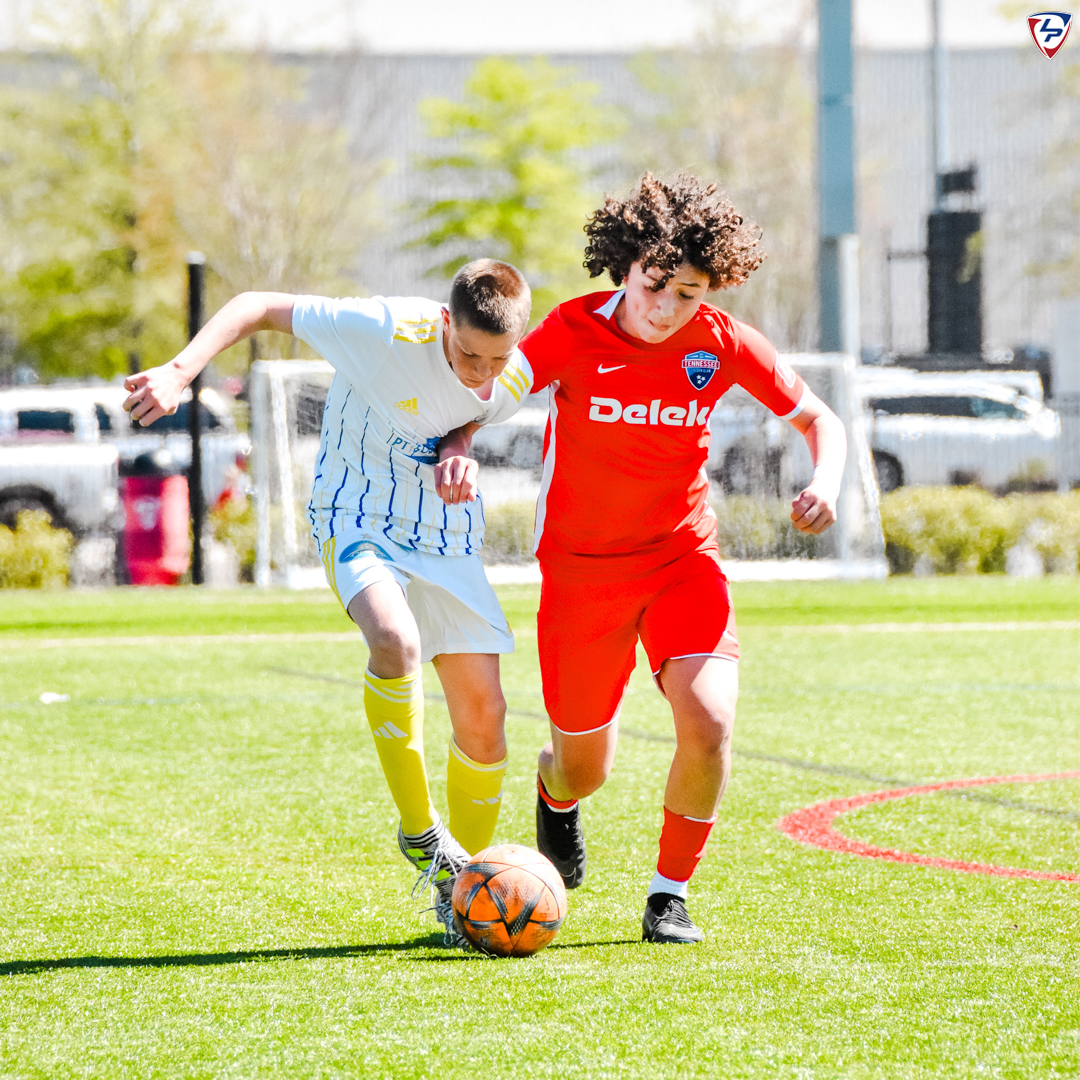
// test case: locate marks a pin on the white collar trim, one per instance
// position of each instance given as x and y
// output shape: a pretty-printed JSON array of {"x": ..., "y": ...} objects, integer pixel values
[{"x": 610, "y": 305}]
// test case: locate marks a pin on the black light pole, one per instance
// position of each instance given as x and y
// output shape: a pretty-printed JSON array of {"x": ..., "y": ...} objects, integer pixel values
[{"x": 196, "y": 264}]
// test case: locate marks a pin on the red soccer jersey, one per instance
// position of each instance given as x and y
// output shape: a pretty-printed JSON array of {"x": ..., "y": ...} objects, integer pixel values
[{"x": 628, "y": 433}]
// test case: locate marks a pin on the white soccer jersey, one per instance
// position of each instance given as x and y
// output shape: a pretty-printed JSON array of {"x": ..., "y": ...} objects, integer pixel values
[{"x": 393, "y": 397}]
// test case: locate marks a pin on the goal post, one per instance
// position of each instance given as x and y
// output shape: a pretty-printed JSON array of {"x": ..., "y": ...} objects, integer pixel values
[
  {"x": 858, "y": 536},
  {"x": 757, "y": 463},
  {"x": 287, "y": 399}
]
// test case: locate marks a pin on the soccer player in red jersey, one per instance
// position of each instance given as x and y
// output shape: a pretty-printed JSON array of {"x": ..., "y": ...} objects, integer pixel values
[{"x": 624, "y": 533}]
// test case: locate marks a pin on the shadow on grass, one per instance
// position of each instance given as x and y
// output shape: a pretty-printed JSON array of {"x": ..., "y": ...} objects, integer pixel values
[
  {"x": 458, "y": 955},
  {"x": 333, "y": 952},
  {"x": 594, "y": 944},
  {"x": 330, "y": 952}
]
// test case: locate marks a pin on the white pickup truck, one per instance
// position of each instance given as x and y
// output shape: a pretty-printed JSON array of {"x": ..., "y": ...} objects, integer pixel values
[
  {"x": 988, "y": 427},
  {"x": 62, "y": 449}
]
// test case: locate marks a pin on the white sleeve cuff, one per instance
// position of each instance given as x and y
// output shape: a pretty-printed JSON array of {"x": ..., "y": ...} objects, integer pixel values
[{"x": 798, "y": 408}]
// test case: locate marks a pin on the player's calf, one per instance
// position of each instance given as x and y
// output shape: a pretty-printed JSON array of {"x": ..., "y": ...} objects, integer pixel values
[
  {"x": 682, "y": 845},
  {"x": 476, "y": 763}
]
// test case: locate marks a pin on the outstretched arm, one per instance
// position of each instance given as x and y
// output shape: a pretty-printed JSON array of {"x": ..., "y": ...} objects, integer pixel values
[
  {"x": 156, "y": 392},
  {"x": 456, "y": 473},
  {"x": 815, "y": 508}
]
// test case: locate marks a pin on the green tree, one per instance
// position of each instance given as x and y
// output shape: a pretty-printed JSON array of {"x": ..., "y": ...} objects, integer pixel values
[
  {"x": 153, "y": 144},
  {"x": 94, "y": 269},
  {"x": 292, "y": 193},
  {"x": 744, "y": 118},
  {"x": 522, "y": 187}
]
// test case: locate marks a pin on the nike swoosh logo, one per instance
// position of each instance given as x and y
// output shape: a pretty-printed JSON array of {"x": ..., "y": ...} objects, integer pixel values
[{"x": 604, "y": 370}]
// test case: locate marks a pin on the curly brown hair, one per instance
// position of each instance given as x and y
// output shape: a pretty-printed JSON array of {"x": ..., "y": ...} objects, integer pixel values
[{"x": 666, "y": 224}]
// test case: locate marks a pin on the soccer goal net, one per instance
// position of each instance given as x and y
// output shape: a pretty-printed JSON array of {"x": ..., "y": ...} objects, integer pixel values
[
  {"x": 757, "y": 464},
  {"x": 287, "y": 399}
]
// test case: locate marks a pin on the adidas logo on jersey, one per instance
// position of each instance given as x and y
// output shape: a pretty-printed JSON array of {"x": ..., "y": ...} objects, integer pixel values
[
  {"x": 407, "y": 405},
  {"x": 389, "y": 731},
  {"x": 611, "y": 411}
]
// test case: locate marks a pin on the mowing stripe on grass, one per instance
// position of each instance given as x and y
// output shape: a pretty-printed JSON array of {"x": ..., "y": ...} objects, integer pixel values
[
  {"x": 813, "y": 825},
  {"x": 925, "y": 627},
  {"x": 177, "y": 639},
  {"x": 526, "y": 632},
  {"x": 858, "y": 774},
  {"x": 808, "y": 766}
]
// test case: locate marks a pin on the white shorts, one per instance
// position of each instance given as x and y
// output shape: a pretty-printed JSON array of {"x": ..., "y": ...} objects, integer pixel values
[{"x": 449, "y": 595}]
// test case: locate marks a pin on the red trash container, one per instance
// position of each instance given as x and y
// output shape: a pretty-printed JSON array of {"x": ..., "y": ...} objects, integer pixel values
[{"x": 156, "y": 516}]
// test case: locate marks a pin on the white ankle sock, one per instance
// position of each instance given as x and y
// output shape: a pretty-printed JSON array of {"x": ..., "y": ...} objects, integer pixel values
[{"x": 661, "y": 884}]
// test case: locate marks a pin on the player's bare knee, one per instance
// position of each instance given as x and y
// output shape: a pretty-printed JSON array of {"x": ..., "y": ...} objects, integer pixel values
[
  {"x": 493, "y": 708},
  {"x": 584, "y": 778},
  {"x": 394, "y": 649},
  {"x": 487, "y": 733},
  {"x": 707, "y": 734}
]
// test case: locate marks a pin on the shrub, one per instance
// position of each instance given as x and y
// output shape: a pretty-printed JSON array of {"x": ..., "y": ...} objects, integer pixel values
[
  {"x": 753, "y": 528},
  {"x": 508, "y": 535},
  {"x": 1051, "y": 524},
  {"x": 34, "y": 555},
  {"x": 966, "y": 529},
  {"x": 958, "y": 529},
  {"x": 234, "y": 523},
  {"x": 749, "y": 528}
]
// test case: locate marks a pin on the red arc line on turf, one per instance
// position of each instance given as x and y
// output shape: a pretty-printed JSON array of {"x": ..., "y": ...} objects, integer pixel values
[{"x": 813, "y": 825}]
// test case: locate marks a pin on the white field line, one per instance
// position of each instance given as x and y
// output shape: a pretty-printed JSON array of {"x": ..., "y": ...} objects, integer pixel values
[
  {"x": 923, "y": 627},
  {"x": 176, "y": 639},
  {"x": 526, "y": 632}
]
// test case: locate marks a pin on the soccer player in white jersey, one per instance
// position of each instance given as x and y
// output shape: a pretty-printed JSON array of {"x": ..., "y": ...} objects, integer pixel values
[{"x": 399, "y": 522}]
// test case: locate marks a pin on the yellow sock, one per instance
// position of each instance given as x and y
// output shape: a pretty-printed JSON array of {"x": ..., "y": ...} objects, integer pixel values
[
  {"x": 474, "y": 794},
  {"x": 395, "y": 711}
]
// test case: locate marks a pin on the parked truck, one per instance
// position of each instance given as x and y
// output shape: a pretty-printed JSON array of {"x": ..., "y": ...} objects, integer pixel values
[{"x": 62, "y": 449}]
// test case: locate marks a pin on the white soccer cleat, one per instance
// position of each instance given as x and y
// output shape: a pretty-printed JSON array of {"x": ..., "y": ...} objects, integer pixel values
[{"x": 439, "y": 858}]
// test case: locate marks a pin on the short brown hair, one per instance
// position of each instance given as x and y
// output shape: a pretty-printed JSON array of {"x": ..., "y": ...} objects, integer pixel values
[
  {"x": 491, "y": 296},
  {"x": 666, "y": 224}
]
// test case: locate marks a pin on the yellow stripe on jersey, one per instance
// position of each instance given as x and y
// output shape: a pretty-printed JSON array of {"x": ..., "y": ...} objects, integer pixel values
[
  {"x": 513, "y": 378},
  {"x": 415, "y": 331},
  {"x": 329, "y": 548}
]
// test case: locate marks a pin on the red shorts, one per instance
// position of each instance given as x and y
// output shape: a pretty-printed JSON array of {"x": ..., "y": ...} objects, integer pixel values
[{"x": 590, "y": 621}]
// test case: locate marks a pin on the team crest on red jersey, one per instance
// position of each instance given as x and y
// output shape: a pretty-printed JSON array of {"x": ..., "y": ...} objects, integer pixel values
[{"x": 700, "y": 367}]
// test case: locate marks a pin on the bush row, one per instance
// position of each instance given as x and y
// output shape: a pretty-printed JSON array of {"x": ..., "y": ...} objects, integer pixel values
[
  {"x": 748, "y": 528},
  {"x": 508, "y": 533},
  {"x": 947, "y": 530},
  {"x": 34, "y": 555},
  {"x": 964, "y": 530}
]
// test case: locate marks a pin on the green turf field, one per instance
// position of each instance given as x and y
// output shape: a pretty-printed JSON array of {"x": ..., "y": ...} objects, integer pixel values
[{"x": 198, "y": 874}]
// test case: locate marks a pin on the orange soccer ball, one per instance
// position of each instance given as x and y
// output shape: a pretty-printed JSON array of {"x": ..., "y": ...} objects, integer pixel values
[{"x": 509, "y": 900}]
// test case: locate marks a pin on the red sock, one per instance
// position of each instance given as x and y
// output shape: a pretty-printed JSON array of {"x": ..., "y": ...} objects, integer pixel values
[
  {"x": 553, "y": 803},
  {"x": 682, "y": 843}
]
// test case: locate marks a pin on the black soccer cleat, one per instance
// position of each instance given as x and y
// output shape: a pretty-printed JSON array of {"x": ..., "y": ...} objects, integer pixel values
[
  {"x": 667, "y": 922},
  {"x": 560, "y": 839}
]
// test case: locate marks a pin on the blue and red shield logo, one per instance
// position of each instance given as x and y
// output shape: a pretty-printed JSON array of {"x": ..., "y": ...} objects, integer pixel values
[
  {"x": 1049, "y": 29},
  {"x": 700, "y": 367}
]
